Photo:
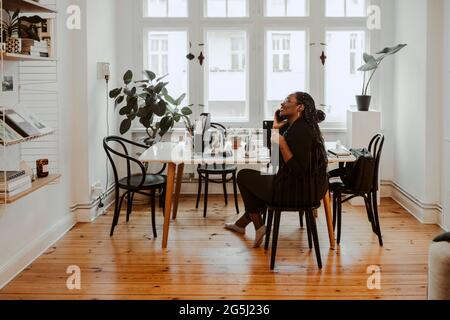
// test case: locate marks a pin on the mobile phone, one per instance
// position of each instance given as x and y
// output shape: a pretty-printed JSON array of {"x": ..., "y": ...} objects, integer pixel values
[{"x": 280, "y": 118}]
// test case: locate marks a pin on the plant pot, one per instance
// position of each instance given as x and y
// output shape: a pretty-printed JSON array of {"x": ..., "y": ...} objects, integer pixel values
[
  {"x": 363, "y": 102},
  {"x": 13, "y": 45}
]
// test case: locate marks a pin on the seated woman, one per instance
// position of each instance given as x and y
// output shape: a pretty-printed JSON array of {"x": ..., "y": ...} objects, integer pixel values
[{"x": 300, "y": 143}]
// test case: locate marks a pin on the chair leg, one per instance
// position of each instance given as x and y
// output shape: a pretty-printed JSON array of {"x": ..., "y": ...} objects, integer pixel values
[
  {"x": 236, "y": 201},
  {"x": 315, "y": 237},
  {"x": 161, "y": 199},
  {"x": 369, "y": 210},
  {"x": 199, "y": 190},
  {"x": 205, "y": 209},
  {"x": 276, "y": 231},
  {"x": 300, "y": 215},
  {"x": 334, "y": 210},
  {"x": 339, "y": 218},
  {"x": 129, "y": 205},
  {"x": 264, "y": 217},
  {"x": 116, "y": 212},
  {"x": 377, "y": 219},
  {"x": 153, "y": 200},
  {"x": 268, "y": 229},
  {"x": 225, "y": 193},
  {"x": 308, "y": 231}
]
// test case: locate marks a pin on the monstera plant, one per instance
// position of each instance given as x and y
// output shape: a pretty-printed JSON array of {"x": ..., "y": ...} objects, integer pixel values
[
  {"x": 372, "y": 62},
  {"x": 149, "y": 101}
]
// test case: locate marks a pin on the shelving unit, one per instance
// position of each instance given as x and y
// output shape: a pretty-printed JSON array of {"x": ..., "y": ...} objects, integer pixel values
[
  {"x": 26, "y": 6},
  {"x": 23, "y": 57},
  {"x": 36, "y": 185},
  {"x": 32, "y": 8}
]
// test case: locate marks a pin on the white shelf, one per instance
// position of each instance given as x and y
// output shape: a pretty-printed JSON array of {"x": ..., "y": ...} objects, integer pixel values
[
  {"x": 23, "y": 57},
  {"x": 26, "y": 6},
  {"x": 25, "y": 140}
]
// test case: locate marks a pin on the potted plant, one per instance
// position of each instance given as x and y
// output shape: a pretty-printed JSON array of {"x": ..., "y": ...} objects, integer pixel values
[
  {"x": 10, "y": 32},
  {"x": 15, "y": 28},
  {"x": 372, "y": 62},
  {"x": 147, "y": 100}
]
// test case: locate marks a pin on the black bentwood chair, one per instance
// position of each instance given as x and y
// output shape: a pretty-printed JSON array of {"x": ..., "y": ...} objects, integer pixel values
[
  {"x": 359, "y": 180},
  {"x": 206, "y": 171},
  {"x": 304, "y": 196},
  {"x": 141, "y": 183}
]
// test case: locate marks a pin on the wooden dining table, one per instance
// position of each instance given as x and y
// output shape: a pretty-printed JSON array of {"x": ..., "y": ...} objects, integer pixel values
[{"x": 179, "y": 154}]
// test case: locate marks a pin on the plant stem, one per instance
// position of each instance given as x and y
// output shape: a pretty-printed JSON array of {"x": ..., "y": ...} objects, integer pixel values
[{"x": 368, "y": 82}]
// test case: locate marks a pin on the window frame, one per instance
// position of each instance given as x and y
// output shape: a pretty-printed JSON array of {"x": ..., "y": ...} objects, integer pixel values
[{"x": 256, "y": 23}]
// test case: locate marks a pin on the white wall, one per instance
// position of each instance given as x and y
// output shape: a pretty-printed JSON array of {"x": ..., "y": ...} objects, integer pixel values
[{"x": 417, "y": 104}]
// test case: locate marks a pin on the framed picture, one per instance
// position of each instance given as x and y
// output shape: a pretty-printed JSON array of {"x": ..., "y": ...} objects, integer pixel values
[
  {"x": 7, "y": 134},
  {"x": 8, "y": 84}
]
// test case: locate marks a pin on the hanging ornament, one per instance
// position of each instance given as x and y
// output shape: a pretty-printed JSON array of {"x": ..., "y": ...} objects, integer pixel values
[
  {"x": 201, "y": 58},
  {"x": 190, "y": 56},
  {"x": 323, "y": 58}
]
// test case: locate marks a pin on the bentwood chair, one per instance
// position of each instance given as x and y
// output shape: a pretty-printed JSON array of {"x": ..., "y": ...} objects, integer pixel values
[
  {"x": 363, "y": 183},
  {"x": 206, "y": 174},
  {"x": 140, "y": 183}
]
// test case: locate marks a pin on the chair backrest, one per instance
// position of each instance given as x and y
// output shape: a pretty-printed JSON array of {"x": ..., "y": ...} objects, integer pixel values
[
  {"x": 376, "y": 149},
  {"x": 124, "y": 154},
  {"x": 268, "y": 126}
]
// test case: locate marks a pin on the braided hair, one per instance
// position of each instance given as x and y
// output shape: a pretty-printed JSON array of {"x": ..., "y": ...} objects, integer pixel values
[{"x": 313, "y": 118}]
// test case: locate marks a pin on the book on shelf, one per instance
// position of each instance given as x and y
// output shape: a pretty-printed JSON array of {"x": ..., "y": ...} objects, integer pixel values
[
  {"x": 11, "y": 175},
  {"x": 13, "y": 185},
  {"x": 8, "y": 135},
  {"x": 23, "y": 188},
  {"x": 25, "y": 123},
  {"x": 18, "y": 123}
]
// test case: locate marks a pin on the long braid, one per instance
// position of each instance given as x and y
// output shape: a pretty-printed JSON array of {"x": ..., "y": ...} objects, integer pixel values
[{"x": 313, "y": 117}]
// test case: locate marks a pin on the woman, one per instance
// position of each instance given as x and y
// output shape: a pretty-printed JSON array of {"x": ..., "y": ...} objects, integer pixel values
[{"x": 301, "y": 148}]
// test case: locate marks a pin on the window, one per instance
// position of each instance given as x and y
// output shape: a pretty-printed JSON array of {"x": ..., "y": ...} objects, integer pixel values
[
  {"x": 341, "y": 68},
  {"x": 227, "y": 78},
  {"x": 165, "y": 8},
  {"x": 286, "y": 61},
  {"x": 226, "y": 8},
  {"x": 254, "y": 59},
  {"x": 286, "y": 8},
  {"x": 162, "y": 57},
  {"x": 346, "y": 8}
]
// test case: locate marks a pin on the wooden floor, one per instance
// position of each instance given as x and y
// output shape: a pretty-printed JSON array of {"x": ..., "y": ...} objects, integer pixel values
[{"x": 204, "y": 261}]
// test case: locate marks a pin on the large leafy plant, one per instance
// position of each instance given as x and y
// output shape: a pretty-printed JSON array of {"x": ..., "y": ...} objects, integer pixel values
[
  {"x": 148, "y": 100},
  {"x": 372, "y": 62}
]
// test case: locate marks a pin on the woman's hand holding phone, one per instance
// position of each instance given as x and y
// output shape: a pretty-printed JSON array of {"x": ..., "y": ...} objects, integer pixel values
[{"x": 278, "y": 121}]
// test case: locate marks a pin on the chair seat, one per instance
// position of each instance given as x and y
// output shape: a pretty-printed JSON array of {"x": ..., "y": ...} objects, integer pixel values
[
  {"x": 152, "y": 181},
  {"x": 217, "y": 169}
]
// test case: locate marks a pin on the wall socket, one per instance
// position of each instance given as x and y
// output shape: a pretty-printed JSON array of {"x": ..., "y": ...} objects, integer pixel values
[
  {"x": 103, "y": 70},
  {"x": 97, "y": 190}
]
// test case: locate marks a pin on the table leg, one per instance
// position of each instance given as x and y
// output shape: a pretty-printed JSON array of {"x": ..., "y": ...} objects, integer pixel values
[
  {"x": 168, "y": 204},
  {"x": 329, "y": 216},
  {"x": 178, "y": 190}
]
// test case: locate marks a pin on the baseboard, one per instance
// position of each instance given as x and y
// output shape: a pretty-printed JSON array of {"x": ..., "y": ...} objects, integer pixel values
[
  {"x": 34, "y": 250},
  {"x": 424, "y": 212},
  {"x": 90, "y": 211}
]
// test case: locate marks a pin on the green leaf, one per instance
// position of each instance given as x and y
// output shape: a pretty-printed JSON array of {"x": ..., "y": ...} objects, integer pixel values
[
  {"x": 128, "y": 77},
  {"x": 118, "y": 101},
  {"x": 180, "y": 99},
  {"x": 115, "y": 92},
  {"x": 125, "y": 126},
  {"x": 169, "y": 99},
  {"x": 125, "y": 110},
  {"x": 165, "y": 124},
  {"x": 186, "y": 111},
  {"x": 150, "y": 74},
  {"x": 161, "y": 78},
  {"x": 392, "y": 50},
  {"x": 160, "y": 108},
  {"x": 371, "y": 63},
  {"x": 158, "y": 88},
  {"x": 177, "y": 118}
]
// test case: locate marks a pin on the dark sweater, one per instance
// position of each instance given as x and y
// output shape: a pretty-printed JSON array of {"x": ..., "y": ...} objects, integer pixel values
[{"x": 303, "y": 178}]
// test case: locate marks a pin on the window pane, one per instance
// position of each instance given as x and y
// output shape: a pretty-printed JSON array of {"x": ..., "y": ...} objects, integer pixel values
[
  {"x": 165, "y": 58},
  {"x": 286, "y": 8},
  {"x": 285, "y": 67},
  {"x": 226, "y": 75},
  {"x": 226, "y": 8},
  {"x": 346, "y": 8},
  {"x": 342, "y": 80},
  {"x": 166, "y": 8}
]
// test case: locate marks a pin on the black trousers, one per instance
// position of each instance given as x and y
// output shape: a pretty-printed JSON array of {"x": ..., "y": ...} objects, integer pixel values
[{"x": 256, "y": 190}]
